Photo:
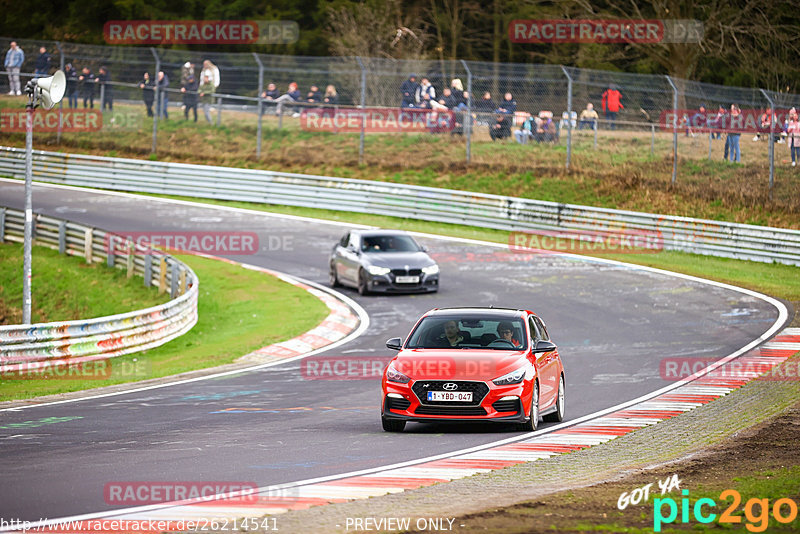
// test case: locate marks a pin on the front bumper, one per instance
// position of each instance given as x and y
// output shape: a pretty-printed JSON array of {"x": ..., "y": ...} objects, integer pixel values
[
  {"x": 386, "y": 283},
  {"x": 501, "y": 404}
]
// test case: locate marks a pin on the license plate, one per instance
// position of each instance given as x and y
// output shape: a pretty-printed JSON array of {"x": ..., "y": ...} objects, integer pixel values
[
  {"x": 407, "y": 279},
  {"x": 456, "y": 396}
]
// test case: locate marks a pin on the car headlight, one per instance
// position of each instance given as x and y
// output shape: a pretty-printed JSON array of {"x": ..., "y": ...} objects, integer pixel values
[
  {"x": 393, "y": 375},
  {"x": 374, "y": 270},
  {"x": 431, "y": 269},
  {"x": 514, "y": 377}
]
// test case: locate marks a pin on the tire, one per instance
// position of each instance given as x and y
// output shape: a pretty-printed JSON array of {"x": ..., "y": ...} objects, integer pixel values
[
  {"x": 362, "y": 283},
  {"x": 533, "y": 422},
  {"x": 558, "y": 415},
  {"x": 393, "y": 425},
  {"x": 333, "y": 279}
]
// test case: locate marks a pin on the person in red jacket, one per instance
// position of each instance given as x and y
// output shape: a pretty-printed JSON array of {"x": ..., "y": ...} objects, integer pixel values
[{"x": 612, "y": 104}]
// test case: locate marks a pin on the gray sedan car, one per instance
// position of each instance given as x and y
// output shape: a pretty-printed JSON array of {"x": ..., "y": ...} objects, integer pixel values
[{"x": 382, "y": 261}]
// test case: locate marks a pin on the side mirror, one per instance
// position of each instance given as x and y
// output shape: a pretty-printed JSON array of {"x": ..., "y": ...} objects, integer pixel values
[
  {"x": 424, "y": 248},
  {"x": 395, "y": 343},
  {"x": 544, "y": 346}
]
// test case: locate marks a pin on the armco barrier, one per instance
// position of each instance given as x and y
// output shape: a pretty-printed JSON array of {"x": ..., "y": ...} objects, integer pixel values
[
  {"x": 27, "y": 346},
  {"x": 741, "y": 241}
]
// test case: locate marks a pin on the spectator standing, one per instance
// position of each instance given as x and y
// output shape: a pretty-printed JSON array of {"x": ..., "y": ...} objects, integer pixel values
[
  {"x": 162, "y": 83},
  {"x": 42, "y": 66},
  {"x": 588, "y": 118},
  {"x": 189, "y": 91},
  {"x": 212, "y": 72},
  {"x": 148, "y": 92},
  {"x": 732, "y": 142},
  {"x": 612, "y": 104},
  {"x": 86, "y": 84},
  {"x": 104, "y": 78},
  {"x": 72, "y": 85},
  {"x": 15, "y": 57},
  {"x": 484, "y": 105},
  {"x": 207, "y": 95},
  {"x": 408, "y": 91},
  {"x": 718, "y": 124},
  {"x": 186, "y": 70},
  {"x": 793, "y": 136}
]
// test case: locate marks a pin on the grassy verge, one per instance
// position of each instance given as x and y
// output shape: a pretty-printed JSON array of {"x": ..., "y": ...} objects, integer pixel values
[
  {"x": 782, "y": 281},
  {"x": 238, "y": 313},
  {"x": 66, "y": 288},
  {"x": 621, "y": 172}
]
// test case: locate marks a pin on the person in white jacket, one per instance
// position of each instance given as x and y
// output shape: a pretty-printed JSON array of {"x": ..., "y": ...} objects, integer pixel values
[{"x": 15, "y": 57}]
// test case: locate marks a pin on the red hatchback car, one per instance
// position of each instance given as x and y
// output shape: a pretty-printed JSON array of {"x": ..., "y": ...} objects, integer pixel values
[{"x": 474, "y": 364}]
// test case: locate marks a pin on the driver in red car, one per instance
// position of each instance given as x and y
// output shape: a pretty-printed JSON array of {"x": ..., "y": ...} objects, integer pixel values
[{"x": 506, "y": 331}]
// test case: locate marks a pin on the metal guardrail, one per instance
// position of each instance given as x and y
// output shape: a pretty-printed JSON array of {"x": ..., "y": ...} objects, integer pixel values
[
  {"x": 24, "y": 347},
  {"x": 725, "y": 239}
]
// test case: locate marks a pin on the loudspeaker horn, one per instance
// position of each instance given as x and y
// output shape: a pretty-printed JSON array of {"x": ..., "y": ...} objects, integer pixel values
[{"x": 51, "y": 90}]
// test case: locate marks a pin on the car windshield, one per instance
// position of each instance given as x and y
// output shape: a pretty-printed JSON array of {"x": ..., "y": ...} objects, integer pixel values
[
  {"x": 389, "y": 243},
  {"x": 474, "y": 332}
]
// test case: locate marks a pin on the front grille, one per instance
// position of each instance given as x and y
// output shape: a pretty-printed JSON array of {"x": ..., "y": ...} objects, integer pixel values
[
  {"x": 397, "y": 404},
  {"x": 410, "y": 272},
  {"x": 422, "y": 387},
  {"x": 450, "y": 410},
  {"x": 511, "y": 405}
]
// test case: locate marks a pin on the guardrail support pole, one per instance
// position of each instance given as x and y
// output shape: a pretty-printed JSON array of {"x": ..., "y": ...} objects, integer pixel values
[
  {"x": 2, "y": 225},
  {"x": 260, "y": 103},
  {"x": 173, "y": 281},
  {"x": 674, "y": 130},
  {"x": 129, "y": 259},
  {"x": 363, "y": 116},
  {"x": 157, "y": 100},
  {"x": 467, "y": 123},
  {"x": 162, "y": 276},
  {"x": 771, "y": 143},
  {"x": 110, "y": 244},
  {"x": 87, "y": 245},
  {"x": 182, "y": 287},
  {"x": 62, "y": 237},
  {"x": 148, "y": 270},
  {"x": 569, "y": 115}
]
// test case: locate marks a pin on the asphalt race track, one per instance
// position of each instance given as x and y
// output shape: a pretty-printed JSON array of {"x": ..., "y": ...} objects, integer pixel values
[{"x": 613, "y": 325}]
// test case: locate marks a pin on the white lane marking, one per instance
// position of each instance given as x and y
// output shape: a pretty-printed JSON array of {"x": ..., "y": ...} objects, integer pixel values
[{"x": 783, "y": 313}]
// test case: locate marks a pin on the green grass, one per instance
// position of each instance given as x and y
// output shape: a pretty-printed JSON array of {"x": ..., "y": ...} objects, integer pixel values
[
  {"x": 65, "y": 288},
  {"x": 778, "y": 280},
  {"x": 240, "y": 310}
]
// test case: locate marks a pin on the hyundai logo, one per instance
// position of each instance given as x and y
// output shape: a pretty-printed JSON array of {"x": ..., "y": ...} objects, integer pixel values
[{"x": 450, "y": 386}]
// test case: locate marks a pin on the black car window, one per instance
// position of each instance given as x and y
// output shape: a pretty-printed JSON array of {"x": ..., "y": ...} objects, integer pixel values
[
  {"x": 389, "y": 243},
  {"x": 472, "y": 332},
  {"x": 542, "y": 328},
  {"x": 345, "y": 239},
  {"x": 535, "y": 333}
]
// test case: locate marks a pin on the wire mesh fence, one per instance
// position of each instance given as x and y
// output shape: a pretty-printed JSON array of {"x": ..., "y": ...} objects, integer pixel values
[{"x": 476, "y": 103}]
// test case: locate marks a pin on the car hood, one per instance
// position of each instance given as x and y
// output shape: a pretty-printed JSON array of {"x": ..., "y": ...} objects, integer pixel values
[
  {"x": 458, "y": 364},
  {"x": 398, "y": 260}
]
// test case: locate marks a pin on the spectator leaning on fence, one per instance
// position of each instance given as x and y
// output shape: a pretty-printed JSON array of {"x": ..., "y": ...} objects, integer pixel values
[
  {"x": 15, "y": 57},
  {"x": 292, "y": 95},
  {"x": 212, "y": 72},
  {"x": 189, "y": 91},
  {"x": 207, "y": 95},
  {"x": 501, "y": 128},
  {"x": 72, "y": 85},
  {"x": 732, "y": 141},
  {"x": 148, "y": 92},
  {"x": 408, "y": 91},
  {"x": 508, "y": 106},
  {"x": 86, "y": 87},
  {"x": 717, "y": 124},
  {"x": 314, "y": 96},
  {"x": 612, "y": 104},
  {"x": 104, "y": 78},
  {"x": 793, "y": 136},
  {"x": 162, "y": 83},
  {"x": 331, "y": 97},
  {"x": 42, "y": 66},
  {"x": 588, "y": 118}
]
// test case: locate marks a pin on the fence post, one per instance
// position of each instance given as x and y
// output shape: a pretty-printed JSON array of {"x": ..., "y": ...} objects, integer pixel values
[
  {"x": 771, "y": 142},
  {"x": 652, "y": 139},
  {"x": 363, "y": 116},
  {"x": 467, "y": 124},
  {"x": 569, "y": 115},
  {"x": 709, "y": 145},
  {"x": 61, "y": 103},
  {"x": 87, "y": 245},
  {"x": 129, "y": 260},
  {"x": 596, "y": 126},
  {"x": 173, "y": 281},
  {"x": 219, "y": 110},
  {"x": 2, "y": 225},
  {"x": 102, "y": 95},
  {"x": 260, "y": 103},
  {"x": 674, "y": 130},
  {"x": 157, "y": 100},
  {"x": 148, "y": 270}
]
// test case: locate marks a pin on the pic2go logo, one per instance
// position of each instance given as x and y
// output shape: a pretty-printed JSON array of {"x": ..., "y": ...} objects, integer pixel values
[{"x": 756, "y": 511}]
